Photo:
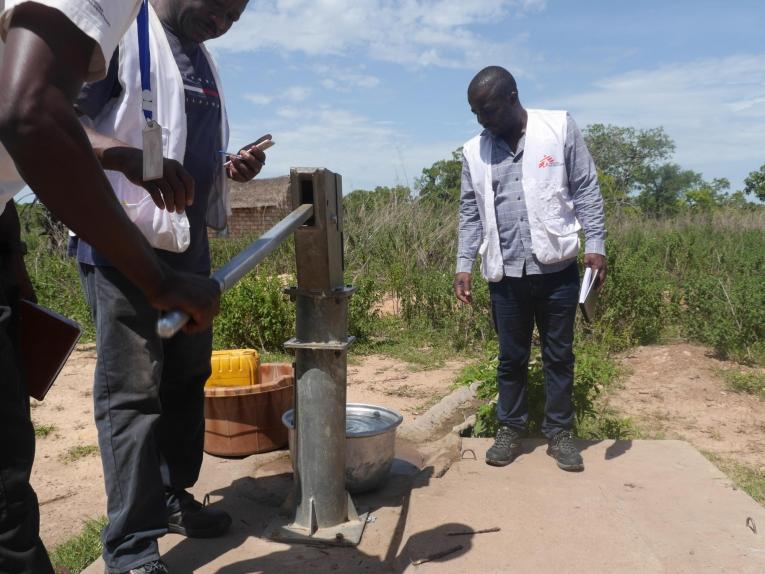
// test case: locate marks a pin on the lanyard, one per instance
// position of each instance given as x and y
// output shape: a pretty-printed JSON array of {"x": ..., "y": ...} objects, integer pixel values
[
  {"x": 152, "y": 132},
  {"x": 144, "y": 56}
]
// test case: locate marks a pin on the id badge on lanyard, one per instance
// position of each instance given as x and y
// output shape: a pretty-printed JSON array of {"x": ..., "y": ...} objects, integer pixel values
[{"x": 152, "y": 131}]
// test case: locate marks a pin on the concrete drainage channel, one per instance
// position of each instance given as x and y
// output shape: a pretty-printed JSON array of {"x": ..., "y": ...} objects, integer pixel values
[
  {"x": 437, "y": 434},
  {"x": 450, "y": 414}
]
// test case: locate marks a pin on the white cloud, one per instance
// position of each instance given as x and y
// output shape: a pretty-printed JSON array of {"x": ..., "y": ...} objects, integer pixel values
[
  {"x": 293, "y": 94},
  {"x": 344, "y": 80},
  {"x": 416, "y": 33},
  {"x": 288, "y": 113},
  {"x": 714, "y": 109},
  {"x": 296, "y": 93},
  {"x": 259, "y": 99},
  {"x": 747, "y": 104}
]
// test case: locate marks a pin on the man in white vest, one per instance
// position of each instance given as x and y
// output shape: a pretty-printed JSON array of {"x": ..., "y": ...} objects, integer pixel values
[
  {"x": 149, "y": 392},
  {"x": 47, "y": 49},
  {"x": 528, "y": 186}
]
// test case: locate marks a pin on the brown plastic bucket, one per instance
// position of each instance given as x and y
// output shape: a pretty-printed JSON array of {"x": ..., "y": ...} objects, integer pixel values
[{"x": 240, "y": 421}]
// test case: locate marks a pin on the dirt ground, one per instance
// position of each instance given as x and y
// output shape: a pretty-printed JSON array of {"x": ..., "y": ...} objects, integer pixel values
[
  {"x": 671, "y": 391},
  {"x": 69, "y": 483},
  {"x": 678, "y": 391}
]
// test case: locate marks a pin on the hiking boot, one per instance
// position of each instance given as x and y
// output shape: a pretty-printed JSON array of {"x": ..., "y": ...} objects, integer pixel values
[
  {"x": 562, "y": 448},
  {"x": 153, "y": 567},
  {"x": 506, "y": 447},
  {"x": 195, "y": 520}
]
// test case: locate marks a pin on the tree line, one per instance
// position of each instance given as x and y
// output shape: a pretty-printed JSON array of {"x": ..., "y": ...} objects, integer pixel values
[{"x": 635, "y": 171}]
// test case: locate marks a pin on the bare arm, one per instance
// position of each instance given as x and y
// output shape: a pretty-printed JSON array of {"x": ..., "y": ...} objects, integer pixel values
[
  {"x": 41, "y": 75},
  {"x": 44, "y": 66},
  {"x": 173, "y": 192}
]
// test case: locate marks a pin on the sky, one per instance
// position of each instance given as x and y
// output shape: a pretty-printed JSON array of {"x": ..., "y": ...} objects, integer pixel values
[{"x": 375, "y": 90}]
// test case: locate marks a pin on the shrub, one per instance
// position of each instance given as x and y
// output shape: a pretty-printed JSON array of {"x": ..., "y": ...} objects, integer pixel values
[
  {"x": 634, "y": 302},
  {"x": 363, "y": 316},
  {"x": 594, "y": 372},
  {"x": 703, "y": 276},
  {"x": 255, "y": 313}
]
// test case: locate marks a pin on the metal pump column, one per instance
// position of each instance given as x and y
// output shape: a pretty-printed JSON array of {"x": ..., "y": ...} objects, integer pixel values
[{"x": 325, "y": 511}]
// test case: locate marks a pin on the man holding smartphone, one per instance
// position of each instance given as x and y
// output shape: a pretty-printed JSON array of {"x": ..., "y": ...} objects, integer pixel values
[{"x": 149, "y": 392}]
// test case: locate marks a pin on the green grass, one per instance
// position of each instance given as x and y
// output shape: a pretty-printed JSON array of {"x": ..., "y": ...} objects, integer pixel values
[
  {"x": 423, "y": 348},
  {"x": 595, "y": 371},
  {"x": 74, "y": 555},
  {"x": 750, "y": 383},
  {"x": 606, "y": 424},
  {"x": 42, "y": 431},
  {"x": 80, "y": 451},
  {"x": 749, "y": 479},
  {"x": 276, "y": 357}
]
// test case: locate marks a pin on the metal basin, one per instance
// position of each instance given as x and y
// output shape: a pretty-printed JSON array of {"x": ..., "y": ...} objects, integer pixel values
[{"x": 370, "y": 433}]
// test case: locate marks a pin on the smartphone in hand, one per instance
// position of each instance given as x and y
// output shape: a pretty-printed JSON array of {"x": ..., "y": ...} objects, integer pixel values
[{"x": 262, "y": 145}]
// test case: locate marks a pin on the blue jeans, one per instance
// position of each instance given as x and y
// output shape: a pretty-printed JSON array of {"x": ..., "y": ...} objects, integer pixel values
[
  {"x": 21, "y": 550},
  {"x": 516, "y": 303},
  {"x": 149, "y": 407}
]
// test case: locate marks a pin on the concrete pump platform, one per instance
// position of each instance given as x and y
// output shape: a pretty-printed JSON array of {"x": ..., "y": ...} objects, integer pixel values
[{"x": 640, "y": 506}]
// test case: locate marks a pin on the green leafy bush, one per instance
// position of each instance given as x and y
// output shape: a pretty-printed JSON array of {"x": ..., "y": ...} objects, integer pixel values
[
  {"x": 635, "y": 302},
  {"x": 255, "y": 314},
  {"x": 363, "y": 316},
  {"x": 702, "y": 277},
  {"x": 594, "y": 372}
]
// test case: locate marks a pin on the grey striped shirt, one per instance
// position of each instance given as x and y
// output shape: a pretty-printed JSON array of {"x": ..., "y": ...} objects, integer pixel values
[{"x": 512, "y": 219}]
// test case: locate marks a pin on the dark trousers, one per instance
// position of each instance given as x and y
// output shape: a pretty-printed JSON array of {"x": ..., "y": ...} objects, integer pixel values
[
  {"x": 21, "y": 550},
  {"x": 550, "y": 300},
  {"x": 149, "y": 408}
]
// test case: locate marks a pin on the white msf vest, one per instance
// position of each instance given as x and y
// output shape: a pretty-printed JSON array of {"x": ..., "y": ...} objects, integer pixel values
[
  {"x": 125, "y": 121},
  {"x": 552, "y": 220}
]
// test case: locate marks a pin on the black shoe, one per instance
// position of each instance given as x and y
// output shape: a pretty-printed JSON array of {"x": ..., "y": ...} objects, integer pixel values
[
  {"x": 194, "y": 520},
  {"x": 506, "y": 447},
  {"x": 153, "y": 567},
  {"x": 562, "y": 448}
]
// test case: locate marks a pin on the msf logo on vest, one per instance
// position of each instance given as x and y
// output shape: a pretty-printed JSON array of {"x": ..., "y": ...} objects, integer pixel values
[{"x": 548, "y": 161}]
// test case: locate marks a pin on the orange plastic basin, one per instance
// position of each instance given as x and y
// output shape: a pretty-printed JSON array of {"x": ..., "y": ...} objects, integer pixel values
[{"x": 245, "y": 420}]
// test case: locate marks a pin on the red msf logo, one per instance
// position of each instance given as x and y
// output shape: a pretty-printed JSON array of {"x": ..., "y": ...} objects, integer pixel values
[{"x": 547, "y": 161}]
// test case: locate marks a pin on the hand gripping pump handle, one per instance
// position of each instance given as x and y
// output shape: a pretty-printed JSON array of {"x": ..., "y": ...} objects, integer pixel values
[{"x": 228, "y": 275}]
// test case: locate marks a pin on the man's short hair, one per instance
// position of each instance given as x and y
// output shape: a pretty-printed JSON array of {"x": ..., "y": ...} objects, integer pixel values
[{"x": 494, "y": 79}]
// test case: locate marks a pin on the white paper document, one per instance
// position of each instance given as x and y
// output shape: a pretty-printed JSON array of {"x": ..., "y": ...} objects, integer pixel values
[{"x": 588, "y": 295}]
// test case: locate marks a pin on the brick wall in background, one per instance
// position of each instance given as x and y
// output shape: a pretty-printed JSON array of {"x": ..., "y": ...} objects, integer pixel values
[{"x": 253, "y": 220}]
